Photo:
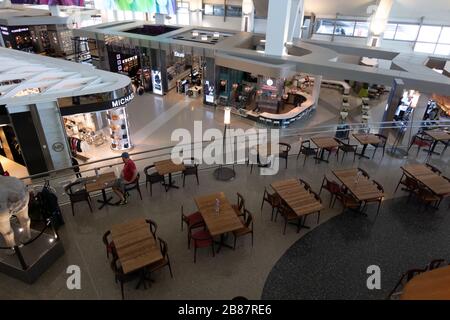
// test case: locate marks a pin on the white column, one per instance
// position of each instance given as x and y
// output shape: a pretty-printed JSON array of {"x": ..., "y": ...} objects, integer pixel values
[
  {"x": 316, "y": 90},
  {"x": 378, "y": 23},
  {"x": 295, "y": 20},
  {"x": 248, "y": 16},
  {"x": 277, "y": 26},
  {"x": 54, "y": 10},
  {"x": 195, "y": 13}
]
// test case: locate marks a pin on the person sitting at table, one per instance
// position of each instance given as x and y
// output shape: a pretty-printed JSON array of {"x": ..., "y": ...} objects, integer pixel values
[{"x": 127, "y": 175}]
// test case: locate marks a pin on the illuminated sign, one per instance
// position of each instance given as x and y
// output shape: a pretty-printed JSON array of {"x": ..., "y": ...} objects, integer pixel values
[
  {"x": 157, "y": 82},
  {"x": 124, "y": 100},
  {"x": 178, "y": 54}
]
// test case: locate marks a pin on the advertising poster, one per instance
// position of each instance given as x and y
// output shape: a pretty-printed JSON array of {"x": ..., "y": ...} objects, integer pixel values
[
  {"x": 79, "y": 3},
  {"x": 151, "y": 6},
  {"x": 157, "y": 82}
]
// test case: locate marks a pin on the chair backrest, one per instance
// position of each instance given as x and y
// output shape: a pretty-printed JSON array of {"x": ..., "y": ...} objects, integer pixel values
[
  {"x": 240, "y": 201},
  {"x": 305, "y": 184},
  {"x": 78, "y": 195},
  {"x": 135, "y": 182},
  {"x": 305, "y": 144},
  {"x": 149, "y": 168},
  {"x": 316, "y": 196},
  {"x": 411, "y": 182},
  {"x": 163, "y": 247},
  {"x": 364, "y": 173},
  {"x": 433, "y": 168},
  {"x": 153, "y": 227},
  {"x": 190, "y": 162},
  {"x": 117, "y": 269},
  {"x": 379, "y": 186},
  {"x": 331, "y": 185},
  {"x": 105, "y": 238},
  {"x": 287, "y": 146},
  {"x": 435, "y": 264},
  {"x": 383, "y": 138}
]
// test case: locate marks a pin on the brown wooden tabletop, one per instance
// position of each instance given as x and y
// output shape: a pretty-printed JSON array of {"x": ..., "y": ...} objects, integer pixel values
[
  {"x": 364, "y": 138},
  {"x": 361, "y": 187},
  {"x": 430, "y": 285},
  {"x": 300, "y": 200},
  {"x": 135, "y": 245},
  {"x": 325, "y": 142},
  {"x": 168, "y": 166},
  {"x": 433, "y": 181},
  {"x": 439, "y": 135},
  {"x": 103, "y": 181},
  {"x": 225, "y": 221}
]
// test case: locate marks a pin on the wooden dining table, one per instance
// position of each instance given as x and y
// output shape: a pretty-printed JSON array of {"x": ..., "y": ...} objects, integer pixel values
[
  {"x": 360, "y": 186},
  {"x": 167, "y": 167},
  {"x": 294, "y": 194},
  {"x": 324, "y": 143},
  {"x": 135, "y": 245},
  {"x": 436, "y": 183},
  {"x": 101, "y": 183},
  {"x": 218, "y": 223},
  {"x": 438, "y": 136},
  {"x": 430, "y": 285},
  {"x": 365, "y": 139}
]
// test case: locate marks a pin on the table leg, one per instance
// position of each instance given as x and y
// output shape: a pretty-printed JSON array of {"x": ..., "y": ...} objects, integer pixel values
[
  {"x": 170, "y": 184},
  {"x": 105, "y": 201},
  {"x": 322, "y": 153},
  {"x": 144, "y": 279},
  {"x": 363, "y": 152},
  {"x": 433, "y": 146},
  {"x": 222, "y": 243}
]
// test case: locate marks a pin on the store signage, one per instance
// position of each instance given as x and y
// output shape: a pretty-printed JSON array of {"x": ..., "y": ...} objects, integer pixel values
[
  {"x": 19, "y": 30},
  {"x": 178, "y": 54},
  {"x": 124, "y": 100},
  {"x": 58, "y": 147},
  {"x": 157, "y": 82},
  {"x": 209, "y": 98},
  {"x": 4, "y": 30}
]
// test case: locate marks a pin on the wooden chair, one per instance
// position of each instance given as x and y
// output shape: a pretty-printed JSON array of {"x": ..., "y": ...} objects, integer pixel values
[
  {"x": 348, "y": 201},
  {"x": 346, "y": 148},
  {"x": 201, "y": 239},
  {"x": 284, "y": 151},
  {"x": 307, "y": 150},
  {"x": 381, "y": 144},
  {"x": 305, "y": 184},
  {"x": 379, "y": 200},
  {"x": 152, "y": 177},
  {"x": 410, "y": 183},
  {"x": 120, "y": 276},
  {"x": 192, "y": 221},
  {"x": 247, "y": 229},
  {"x": 191, "y": 169},
  {"x": 164, "y": 262},
  {"x": 239, "y": 207},
  {"x": 109, "y": 244},
  {"x": 331, "y": 186},
  {"x": 426, "y": 196},
  {"x": 316, "y": 196},
  {"x": 272, "y": 199},
  {"x": 433, "y": 168},
  {"x": 134, "y": 185},
  {"x": 288, "y": 216},
  {"x": 421, "y": 141},
  {"x": 79, "y": 195},
  {"x": 153, "y": 227}
]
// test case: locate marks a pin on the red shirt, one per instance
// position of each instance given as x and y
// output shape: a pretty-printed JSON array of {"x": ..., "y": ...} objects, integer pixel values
[{"x": 128, "y": 170}]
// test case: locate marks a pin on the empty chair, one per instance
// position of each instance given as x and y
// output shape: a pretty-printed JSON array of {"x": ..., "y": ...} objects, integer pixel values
[
  {"x": 239, "y": 207},
  {"x": 305, "y": 184},
  {"x": 164, "y": 262},
  {"x": 153, "y": 227},
  {"x": 201, "y": 239},
  {"x": 331, "y": 186},
  {"x": 134, "y": 185},
  {"x": 284, "y": 151},
  {"x": 433, "y": 168},
  {"x": 409, "y": 182},
  {"x": 378, "y": 200},
  {"x": 426, "y": 196},
  {"x": 364, "y": 173},
  {"x": 109, "y": 244},
  {"x": 346, "y": 148},
  {"x": 192, "y": 221},
  {"x": 381, "y": 144},
  {"x": 316, "y": 196},
  {"x": 152, "y": 177},
  {"x": 120, "y": 276},
  {"x": 421, "y": 141},
  {"x": 77, "y": 193},
  {"x": 288, "y": 216},
  {"x": 191, "y": 169},
  {"x": 306, "y": 150},
  {"x": 272, "y": 199},
  {"x": 348, "y": 201},
  {"x": 246, "y": 229}
]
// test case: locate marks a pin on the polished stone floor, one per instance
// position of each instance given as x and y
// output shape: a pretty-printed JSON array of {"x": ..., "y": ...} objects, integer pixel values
[{"x": 231, "y": 273}]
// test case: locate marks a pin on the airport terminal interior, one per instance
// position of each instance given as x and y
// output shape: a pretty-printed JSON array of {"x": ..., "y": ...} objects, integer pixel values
[{"x": 225, "y": 149}]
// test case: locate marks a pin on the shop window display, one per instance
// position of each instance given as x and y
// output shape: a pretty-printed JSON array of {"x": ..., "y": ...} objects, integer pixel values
[{"x": 119, "y": 132}]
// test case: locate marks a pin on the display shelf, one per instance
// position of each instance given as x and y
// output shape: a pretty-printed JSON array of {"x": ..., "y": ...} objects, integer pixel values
[{"x": 119, "y": 129}]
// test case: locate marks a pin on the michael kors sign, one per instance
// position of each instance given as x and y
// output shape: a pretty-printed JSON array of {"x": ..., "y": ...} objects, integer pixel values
[{"x": 120, "y": 102}]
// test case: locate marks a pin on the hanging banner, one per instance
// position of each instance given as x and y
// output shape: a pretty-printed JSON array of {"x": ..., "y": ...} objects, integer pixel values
[{"x": 150, "y": 6}]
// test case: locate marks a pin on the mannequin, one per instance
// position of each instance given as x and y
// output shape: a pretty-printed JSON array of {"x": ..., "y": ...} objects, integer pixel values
[{"x": 14, "y": 199}]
